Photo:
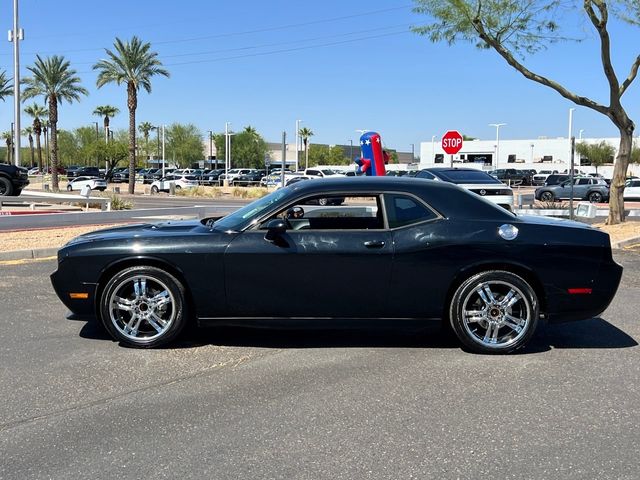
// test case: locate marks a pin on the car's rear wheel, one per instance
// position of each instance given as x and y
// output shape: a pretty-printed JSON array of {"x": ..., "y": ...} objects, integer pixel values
[
  {"x": 547, "y": 197},
  {"x": 154, "y": 189},
  {"x": 494, "y": 312},
  {"x": 595, "y": 197},
  {"x": 69, "y": 188},
  {"x": 143, "y": 306},
  {"x": 6, "y": 188}
]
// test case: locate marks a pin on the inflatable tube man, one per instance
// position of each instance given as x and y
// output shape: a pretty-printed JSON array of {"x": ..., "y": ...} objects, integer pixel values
[{"x": 374, "y": 157}]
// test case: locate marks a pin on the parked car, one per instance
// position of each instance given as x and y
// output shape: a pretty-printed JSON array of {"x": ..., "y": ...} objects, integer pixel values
[
  {"x": 94, "y": 183},
  {"x": 71, "y": 170},
  {"x": 511, "y": 176},
  {"x": 494, "y": 276},
  {"x": 632, "y": 189},
  {"x": 322, "y": 173},
  {"x": 12, "y": 179},
  {"x": 475, "y": 181},
  {"x": 211, "y": 177},
  {"x": 180, "y": 181},
  {"x": 592, "y": 189},
  {"x": 556, "y": 179},
  {"x": 541, "y": 177},
  {"x": 33, "y": 171},
  {"x": 232, "y": 174},
  {"x": 84, "y": 172},
  {"x": 251, "y": 178}
]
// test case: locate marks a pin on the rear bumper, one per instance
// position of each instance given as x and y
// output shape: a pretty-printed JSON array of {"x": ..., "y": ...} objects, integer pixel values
[{"x": 565, "y": 307}]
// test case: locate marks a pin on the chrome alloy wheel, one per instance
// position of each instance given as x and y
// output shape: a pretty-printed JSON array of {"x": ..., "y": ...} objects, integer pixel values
[
  {"x": 496, "y": 314},
  {"x": 142, "y": 308}
]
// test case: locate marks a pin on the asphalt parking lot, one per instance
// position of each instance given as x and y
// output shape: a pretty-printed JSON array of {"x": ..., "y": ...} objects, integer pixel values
[{"x": 383, "y": 401}]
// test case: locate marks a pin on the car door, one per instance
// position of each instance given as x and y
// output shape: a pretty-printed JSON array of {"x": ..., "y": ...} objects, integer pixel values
[
  {"x": 321, "y": 266},
  {"x": 632, "y": 190}
]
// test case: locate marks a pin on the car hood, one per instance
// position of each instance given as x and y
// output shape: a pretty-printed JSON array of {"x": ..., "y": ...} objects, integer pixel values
[{"x": 140, "y": 230}]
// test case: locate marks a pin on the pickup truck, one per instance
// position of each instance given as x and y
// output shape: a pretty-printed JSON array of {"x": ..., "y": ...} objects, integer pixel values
[
  {"x": 12, "y": 179},
  {"x": 511, "y": 176}
]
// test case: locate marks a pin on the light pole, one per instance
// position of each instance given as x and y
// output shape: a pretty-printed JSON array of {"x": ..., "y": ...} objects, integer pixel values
[
  {"x": 433, "y": 148},
  {"x": 580, "y": 134},
  {"x": 163, "y": 151},
  {"x": 227, "y": 153},
  {"x": 15, "y": 36},
  {"x": 351, "y": 150},
  {"x": 532, "y": 153},
  {"x": 211, "y": 149},
  {"x": 497, "y": 125},
  {"x": 570, "y": 155},
  {"x": 413, "y": 153},
  {"x": 298, "y": 122}
]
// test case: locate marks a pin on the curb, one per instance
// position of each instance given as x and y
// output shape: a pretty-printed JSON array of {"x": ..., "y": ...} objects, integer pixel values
[
  {"x": 625, "y": 243},
  {"x": 36, "y": 253}
]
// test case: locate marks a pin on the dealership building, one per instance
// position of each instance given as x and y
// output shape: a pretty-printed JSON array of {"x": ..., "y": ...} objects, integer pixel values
[{"x": 539, "y": 154}]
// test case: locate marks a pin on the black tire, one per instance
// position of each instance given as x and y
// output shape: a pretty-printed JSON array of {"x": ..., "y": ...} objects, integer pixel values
[
  {"x": 595, "y": 197},
  {"x": 500, "y": 319},
  {"x": 6, "y": 187},
  {"x": 69, "y": 188},
  {"x": 178, "y": 187},
  {"x": 143, "y": 306},
  {"x": 547, "y": 197},
  {"x": 154, "y": 189}
]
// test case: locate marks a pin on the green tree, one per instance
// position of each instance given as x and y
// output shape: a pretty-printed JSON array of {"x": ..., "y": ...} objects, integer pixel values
[
  {"x": 305, "y": 133},
  {"x": 68, "y": 148},
  {"x": 6, "y": 87},
  {"x": 248, "y": 148},
  {"x": 38, "y": 113},
  {"x": 597, "y": 153},
  {"x": 110, "y": 154},
  {"x": 54, "y": 79},
  {"x": 517, "y": 28},
  {"x": 106, "y": 112},
  {"x": 184, "y": 144},
  {"x": 318, "y": 155},
  {"x": 8, "y": 139},
  {"x": 133, "y": 64},
  {"x": 28, "y": 131},
  {"x": 145, "y": 128}
]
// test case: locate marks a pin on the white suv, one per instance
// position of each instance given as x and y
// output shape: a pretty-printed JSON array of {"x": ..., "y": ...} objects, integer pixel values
[{"x": 180, "y": 181}]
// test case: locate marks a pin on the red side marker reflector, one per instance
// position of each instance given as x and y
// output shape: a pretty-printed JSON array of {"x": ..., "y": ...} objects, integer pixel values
[
  {"x": 79, "y": 296},
  {"x": 580, "y": 291}
]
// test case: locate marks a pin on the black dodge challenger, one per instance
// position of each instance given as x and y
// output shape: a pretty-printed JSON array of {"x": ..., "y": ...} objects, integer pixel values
[{"x": 393, "y": 248}]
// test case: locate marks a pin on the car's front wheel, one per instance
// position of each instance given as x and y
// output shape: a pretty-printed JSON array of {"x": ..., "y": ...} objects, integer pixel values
[
  {"x": 69, "y": 188},
  {"x": 547, "y": 197},
  {"x": 143, "y": 306},
  {"x": 154, "y": 189},
  {"x": 595, "y": 197},
  {"x": 494, "y": 312},
  {"x": 6, "y": 188}
]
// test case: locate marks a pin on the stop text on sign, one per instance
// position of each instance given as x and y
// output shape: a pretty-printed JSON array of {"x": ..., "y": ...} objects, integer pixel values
[{"x": 452, "y": 142}]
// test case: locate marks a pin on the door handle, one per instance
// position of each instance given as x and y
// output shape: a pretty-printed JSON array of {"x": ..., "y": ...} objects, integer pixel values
[{"x": 374, "y": 244}]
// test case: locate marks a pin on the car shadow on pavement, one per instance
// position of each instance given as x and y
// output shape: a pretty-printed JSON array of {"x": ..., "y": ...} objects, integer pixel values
[{"x": 586, "y": 334}]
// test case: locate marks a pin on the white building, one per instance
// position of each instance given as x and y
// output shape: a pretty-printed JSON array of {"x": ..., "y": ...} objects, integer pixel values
[{"x": 539, "y": 154}]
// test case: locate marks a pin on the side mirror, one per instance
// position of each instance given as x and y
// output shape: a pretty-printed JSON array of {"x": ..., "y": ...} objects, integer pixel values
[{"x": 275, "y": 228}]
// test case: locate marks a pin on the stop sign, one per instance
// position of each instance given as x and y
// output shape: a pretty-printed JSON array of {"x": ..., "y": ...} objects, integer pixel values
[{"x": 452, "y": 142}]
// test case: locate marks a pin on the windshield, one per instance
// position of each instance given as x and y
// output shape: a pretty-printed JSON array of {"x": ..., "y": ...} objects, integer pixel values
[
  {"x": 466, "y": 176},
  {"x": 329, "y": 172},
  {"x": 240, "y": 217}
]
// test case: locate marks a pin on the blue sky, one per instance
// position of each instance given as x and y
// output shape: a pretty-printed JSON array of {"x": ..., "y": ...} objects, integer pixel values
[{"x": 337, "y": 65}]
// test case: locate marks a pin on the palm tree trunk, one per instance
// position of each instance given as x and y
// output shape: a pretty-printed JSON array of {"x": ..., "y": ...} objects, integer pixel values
[
  {"x": 38, "y": 130},
  {"x": 31, "y": 147},
  {"x": 53, "y": 128},
  {"x": 132, "y": 103}
]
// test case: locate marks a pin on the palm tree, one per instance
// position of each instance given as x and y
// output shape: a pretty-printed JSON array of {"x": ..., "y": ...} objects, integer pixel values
[
  {"x": 6, "y": 88},
  {"x": 29, "y": 131},
  {"x": 54, "y": 79},
  {"x": 106, "y": 111},
  {"x": 8, "y": 138},
  {"x": 145, "y": 129},
  {"x": 133, "y": 64},
  {"x": 305, "y": 133},
  {"x": 38, "y": 113}
]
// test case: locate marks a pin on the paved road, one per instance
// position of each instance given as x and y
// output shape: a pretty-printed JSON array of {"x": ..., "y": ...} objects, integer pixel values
[{"x": 383, "y": 402}]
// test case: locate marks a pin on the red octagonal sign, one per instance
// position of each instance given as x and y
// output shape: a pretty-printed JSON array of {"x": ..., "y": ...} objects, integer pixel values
[{"x": 452, "y": 142}]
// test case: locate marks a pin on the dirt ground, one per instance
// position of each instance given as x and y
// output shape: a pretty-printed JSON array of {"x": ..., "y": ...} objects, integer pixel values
[{"x": 56, "y": 237}]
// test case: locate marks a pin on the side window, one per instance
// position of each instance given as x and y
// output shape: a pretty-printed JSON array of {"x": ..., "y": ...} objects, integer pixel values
[
  {"x": 403, "y": 210},
  {"x": 333, "y": 212},
  {"x": 583, "y": 181}
]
